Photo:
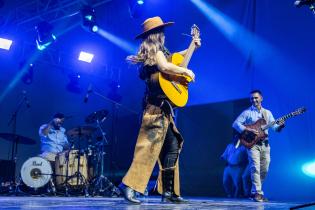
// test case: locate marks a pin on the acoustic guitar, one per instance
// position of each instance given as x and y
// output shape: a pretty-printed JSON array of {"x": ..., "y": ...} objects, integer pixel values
[
  {"x": 175, "y": 87},
  {"x": 249, "y": 139}
]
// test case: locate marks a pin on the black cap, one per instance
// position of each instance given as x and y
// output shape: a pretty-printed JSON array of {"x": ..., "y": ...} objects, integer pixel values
[{"x": 59, "y": 115}]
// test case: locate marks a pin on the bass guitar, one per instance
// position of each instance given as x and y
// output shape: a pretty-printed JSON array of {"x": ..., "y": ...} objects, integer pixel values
[{"x": 249, "y": 139}]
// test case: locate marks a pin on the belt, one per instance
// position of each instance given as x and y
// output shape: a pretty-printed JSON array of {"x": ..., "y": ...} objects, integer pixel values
[
  {"x": 163, "y": 104},
  {"x": 265, "y": 142}
]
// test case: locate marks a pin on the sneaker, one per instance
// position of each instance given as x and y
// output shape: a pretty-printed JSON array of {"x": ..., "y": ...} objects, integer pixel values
[
  {"x": 264, "y": 199},
  {"x": 258, "y": 197}
]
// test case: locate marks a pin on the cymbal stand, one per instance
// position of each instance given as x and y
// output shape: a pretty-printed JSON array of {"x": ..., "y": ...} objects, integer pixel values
[
  {"x": 78, "y": 175},
  {"x": 101, "y": 184},
  {"x": 14, "y": 187},
  {"x": 66, "y": 184},
  {"x": 115, "y": 107}
]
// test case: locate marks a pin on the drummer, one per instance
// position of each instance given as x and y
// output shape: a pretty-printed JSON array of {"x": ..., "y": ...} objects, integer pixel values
[{"x": 53, "y": 138}]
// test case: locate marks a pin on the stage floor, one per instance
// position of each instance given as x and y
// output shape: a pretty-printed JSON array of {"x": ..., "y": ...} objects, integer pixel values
[{"x": 65, "y": 203}]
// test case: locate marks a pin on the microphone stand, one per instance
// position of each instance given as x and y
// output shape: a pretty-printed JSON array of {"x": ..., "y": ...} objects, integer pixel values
[
  {"x": 116, "y": 105},
  {"x": 13, "y": 121},
  {"x": 114, "y": 102}
]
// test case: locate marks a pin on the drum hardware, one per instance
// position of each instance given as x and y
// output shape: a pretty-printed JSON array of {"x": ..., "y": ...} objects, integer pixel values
[
  {"x": 67, "y": 174},
  {"x": 96, "y": 116},
  {"x": 65, "y": 182},
  {"x": 101, "y": 115},
  {"x": 101, "y": 185},
  {"x": 53, "y": 188},
  {"x": 76, "y": 175},
  {"x": 79, "y": 132}
]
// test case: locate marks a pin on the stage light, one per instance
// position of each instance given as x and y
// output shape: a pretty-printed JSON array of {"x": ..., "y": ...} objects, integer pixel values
[
  {"x": 73, "y": 85},
  {"x": 309, "y": 169},
  {"x": 113, "y": 93},
  {"x": 28, "y": 74},
  {"x": 89, "y": 18},
  {"x": 45, "y": 37},
  {"x": 5, "y": 43},
  {"x": 95, "y": 28},
  {"x": 136, "y": 8},
  {"x": 86, "y": 57}
]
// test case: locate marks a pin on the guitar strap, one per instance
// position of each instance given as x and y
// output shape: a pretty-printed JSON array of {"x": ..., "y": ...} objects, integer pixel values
[{"x": 264, "y": 113}]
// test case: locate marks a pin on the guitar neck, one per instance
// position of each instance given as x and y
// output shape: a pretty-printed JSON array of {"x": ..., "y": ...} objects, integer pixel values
[
  {"x": 188, "y": 54},
  {"x": 283, "y": 118}
]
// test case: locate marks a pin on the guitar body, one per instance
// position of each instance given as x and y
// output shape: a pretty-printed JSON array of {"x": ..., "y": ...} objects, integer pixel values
[
  {"x": 249, "y": 139},
  {"x": 175, "y": 87}
]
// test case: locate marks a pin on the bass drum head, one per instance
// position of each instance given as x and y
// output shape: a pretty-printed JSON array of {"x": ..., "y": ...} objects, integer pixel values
[{"x": 36, "y": 172}]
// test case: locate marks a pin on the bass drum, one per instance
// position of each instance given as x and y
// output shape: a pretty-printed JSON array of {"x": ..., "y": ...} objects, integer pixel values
[{"x": 36, "y": 172}]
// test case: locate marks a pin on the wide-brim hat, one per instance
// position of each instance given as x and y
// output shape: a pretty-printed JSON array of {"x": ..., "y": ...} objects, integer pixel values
[{"x": 151, "y": 24}]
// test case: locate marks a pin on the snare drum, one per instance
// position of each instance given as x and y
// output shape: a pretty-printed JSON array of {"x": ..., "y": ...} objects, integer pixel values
[
  {"x": 36, "y": 172},
  {"x": 61, "y": 167}
]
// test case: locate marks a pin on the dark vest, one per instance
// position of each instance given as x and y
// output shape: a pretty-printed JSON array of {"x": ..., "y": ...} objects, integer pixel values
[{"x": 153, "y": 93}]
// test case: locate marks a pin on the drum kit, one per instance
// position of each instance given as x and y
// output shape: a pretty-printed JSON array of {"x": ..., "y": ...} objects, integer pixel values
[{"x": 73, "y": 172}]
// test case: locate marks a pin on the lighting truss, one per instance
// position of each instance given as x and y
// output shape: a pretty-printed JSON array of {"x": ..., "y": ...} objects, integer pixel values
[{"x": 26, "y": 15}]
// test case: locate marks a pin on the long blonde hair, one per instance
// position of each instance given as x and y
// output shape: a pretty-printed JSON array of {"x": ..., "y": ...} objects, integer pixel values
[{"x": 150, "y": 45}]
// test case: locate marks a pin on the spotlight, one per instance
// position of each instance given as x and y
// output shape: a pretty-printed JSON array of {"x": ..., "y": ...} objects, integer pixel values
[
  {"x": 86, "y": 57},
  {"x": 5, "y": 43},
  {"x": 309, "y": 169},
  {"x": 44, "y": 35},
  {"x": 136, "y": 8},
  {"x": 89, "y": 18}
]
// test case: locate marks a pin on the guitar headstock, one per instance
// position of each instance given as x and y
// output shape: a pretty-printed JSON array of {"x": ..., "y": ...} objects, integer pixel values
[
  {"x": 195, "y": 32},
  {"x": 299, "y": 111}
]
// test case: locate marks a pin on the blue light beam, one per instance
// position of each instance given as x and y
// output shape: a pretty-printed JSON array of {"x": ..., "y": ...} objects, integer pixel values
[
  {"x": 126, "y": 46},
  {"x": 18, "y": 77},
  {"x": 243, "y": 39}
]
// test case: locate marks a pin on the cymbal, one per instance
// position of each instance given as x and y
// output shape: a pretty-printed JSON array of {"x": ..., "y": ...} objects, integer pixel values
[
  {"x": 15, "y": 137},
  {"x": 96, "y": 116},
  {"x": 81, "y": 131}
]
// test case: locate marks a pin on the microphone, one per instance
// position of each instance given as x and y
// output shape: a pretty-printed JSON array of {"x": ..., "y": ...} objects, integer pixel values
[
  {"x": 88, "y": 92},
  {"x": 300, "y": 3}
]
